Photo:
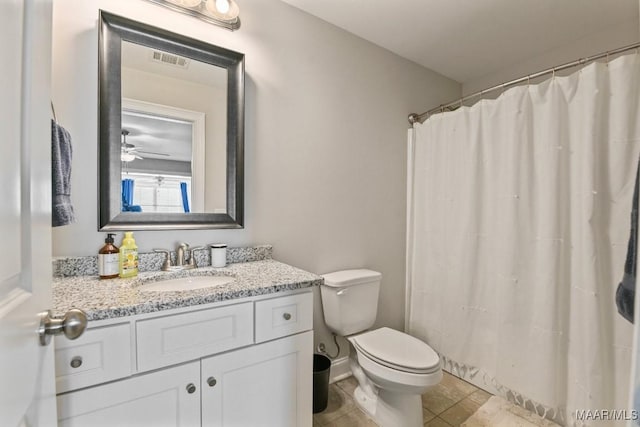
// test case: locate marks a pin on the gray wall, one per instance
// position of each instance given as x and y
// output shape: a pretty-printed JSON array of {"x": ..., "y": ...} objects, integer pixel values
[{"x": 325, "y": 138}]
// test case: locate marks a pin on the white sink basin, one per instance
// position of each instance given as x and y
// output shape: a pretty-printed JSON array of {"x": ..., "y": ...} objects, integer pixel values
[{"x": 186, "y": 283}]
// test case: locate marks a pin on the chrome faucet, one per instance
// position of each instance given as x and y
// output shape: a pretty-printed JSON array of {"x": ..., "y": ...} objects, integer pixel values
[
  {"x": 185, "y": 258},
  {"x": 183, "y": 249}
]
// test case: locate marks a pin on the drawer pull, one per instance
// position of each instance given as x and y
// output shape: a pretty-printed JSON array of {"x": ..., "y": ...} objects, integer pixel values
[
  {"x": 76, "y": 362},
  {"x": 211, "y": 381},
  {"x": 286, "y": 316},
  {"x": 191, "y": 388}
]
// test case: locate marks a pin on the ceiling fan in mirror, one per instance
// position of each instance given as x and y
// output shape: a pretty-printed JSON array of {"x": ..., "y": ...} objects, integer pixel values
[{"x": 130, "y": 152}]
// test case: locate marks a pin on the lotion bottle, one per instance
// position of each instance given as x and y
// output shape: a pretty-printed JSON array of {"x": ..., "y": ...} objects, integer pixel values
[
  {"x": 128, "y": 256},
  {"x": 108, "y": 259}
]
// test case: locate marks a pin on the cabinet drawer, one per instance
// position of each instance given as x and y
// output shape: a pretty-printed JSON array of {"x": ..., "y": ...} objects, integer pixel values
[
  {"x": 278, "y": 317},
  {"x": 168, "y": 340},
  {"x": 99, "y": 355}
]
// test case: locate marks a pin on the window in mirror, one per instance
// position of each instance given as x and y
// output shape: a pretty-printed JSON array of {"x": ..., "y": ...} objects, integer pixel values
[{"x": 145, "y": 192}]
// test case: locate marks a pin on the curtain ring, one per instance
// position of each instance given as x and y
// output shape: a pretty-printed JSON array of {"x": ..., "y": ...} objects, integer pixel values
[
  {"x": 528, "y": 80},
  {"x": 607, "y": 59}
]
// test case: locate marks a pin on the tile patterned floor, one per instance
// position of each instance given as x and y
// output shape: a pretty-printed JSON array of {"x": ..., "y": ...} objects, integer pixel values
[{"x": 448, "y": 404}]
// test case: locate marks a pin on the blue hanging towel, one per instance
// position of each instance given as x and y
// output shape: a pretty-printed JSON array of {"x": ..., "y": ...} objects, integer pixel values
[
  {"x": 626, "y": 292},
  {"x": 185, "y": 197},
  {"x": 61, "y": 154}
]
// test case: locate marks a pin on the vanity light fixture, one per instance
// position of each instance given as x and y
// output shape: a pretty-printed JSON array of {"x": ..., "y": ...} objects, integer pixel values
[{"x": 224, "y": 13}]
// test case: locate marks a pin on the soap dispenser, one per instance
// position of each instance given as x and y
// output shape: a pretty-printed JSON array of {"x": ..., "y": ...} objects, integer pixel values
[
  {"x": 128, "y": 256},
  {"x": 108, "y": 259}
]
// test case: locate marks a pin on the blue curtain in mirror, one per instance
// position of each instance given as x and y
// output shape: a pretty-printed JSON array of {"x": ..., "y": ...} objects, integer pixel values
[
  {"x": 185, "y": 196},
  {"x": 127, "y": 197}
]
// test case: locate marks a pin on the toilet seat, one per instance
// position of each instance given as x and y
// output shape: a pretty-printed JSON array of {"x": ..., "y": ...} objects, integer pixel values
[{"x": 397, "y": 350}]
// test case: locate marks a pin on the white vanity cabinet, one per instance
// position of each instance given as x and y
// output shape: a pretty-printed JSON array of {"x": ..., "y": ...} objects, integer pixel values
[{"x": 246, "y": 363}]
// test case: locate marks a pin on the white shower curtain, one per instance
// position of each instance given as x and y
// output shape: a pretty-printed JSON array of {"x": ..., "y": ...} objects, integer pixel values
[{"x": 518, "y": 234}]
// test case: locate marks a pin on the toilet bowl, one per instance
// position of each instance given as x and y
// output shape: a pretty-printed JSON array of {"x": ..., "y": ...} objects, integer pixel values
[
  {"x": 397, "y": 369},
  {"x": 396, "y": 361},
  {"x": 393, "y": 369}
]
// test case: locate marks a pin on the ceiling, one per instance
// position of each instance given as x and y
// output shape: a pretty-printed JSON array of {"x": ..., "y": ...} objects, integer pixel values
[
  {"x": 468, "y": 39},
  {"x": 157, "y": 137},
  {"x": 140, "y": 58}
]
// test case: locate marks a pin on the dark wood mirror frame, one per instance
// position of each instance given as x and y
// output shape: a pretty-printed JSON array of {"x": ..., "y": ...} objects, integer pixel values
[{"x": 113, "y": 30}]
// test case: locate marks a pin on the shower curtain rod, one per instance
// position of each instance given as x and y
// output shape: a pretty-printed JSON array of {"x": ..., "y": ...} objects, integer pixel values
[{"x": 419, "y": 118}]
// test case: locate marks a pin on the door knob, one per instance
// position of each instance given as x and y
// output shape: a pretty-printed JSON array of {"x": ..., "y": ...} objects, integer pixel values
[{"x": 72, "y": 325}]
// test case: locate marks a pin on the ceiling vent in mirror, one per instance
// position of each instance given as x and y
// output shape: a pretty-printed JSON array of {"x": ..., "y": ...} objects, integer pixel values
[{"x": 169, "y": 59}]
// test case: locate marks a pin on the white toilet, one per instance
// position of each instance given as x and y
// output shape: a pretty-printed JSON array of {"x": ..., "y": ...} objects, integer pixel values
[{"x": 393, "y": 369}]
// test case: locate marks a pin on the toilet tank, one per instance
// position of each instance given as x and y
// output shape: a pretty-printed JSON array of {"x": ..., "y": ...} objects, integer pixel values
[{"x": 350, "y": 300}]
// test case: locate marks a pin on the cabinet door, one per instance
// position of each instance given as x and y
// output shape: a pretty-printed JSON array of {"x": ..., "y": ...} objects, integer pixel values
[
  {"x": 267, "y": 385},
  {"x": 159, "y": 399}
]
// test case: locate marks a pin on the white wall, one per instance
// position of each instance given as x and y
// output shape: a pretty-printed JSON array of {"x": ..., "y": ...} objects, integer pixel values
[
  {"x": 621, "y": 35},
  {"x": 325, "y": 138}
]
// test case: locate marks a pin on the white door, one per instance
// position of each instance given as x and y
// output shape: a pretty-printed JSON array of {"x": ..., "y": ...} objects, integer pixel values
[{"x": 27, "y": 394}]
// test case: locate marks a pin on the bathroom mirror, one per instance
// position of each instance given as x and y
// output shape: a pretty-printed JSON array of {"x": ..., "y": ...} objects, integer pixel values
[{"x": 171, "y": 138}]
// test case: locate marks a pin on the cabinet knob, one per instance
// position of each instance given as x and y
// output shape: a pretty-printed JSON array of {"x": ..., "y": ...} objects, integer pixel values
[
  {"x": 286, "y": 316},
  {"x": 76, "y": 362},
  {"x": 211, "y": 381},
  {"x": 191, "y": 388}
]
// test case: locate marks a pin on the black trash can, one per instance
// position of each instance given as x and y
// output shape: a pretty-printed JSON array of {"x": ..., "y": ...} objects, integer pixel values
[{"x": 321, "y": 367}]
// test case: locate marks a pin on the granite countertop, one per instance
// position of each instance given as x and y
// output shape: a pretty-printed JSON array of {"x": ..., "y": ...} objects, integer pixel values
[{"x": 112, "y": 298}]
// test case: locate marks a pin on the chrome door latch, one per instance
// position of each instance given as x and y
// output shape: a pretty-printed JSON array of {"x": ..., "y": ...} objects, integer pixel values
[{"x": 72, "y": 325}]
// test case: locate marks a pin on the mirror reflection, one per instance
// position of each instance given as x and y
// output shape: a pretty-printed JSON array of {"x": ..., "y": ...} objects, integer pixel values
[{"x": 174, "y": 135}]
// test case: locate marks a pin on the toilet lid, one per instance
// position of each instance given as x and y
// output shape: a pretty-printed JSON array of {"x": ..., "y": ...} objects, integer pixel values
[
  {"x": 344, "y": 278},
  {"x": 398, "y": 350}
]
